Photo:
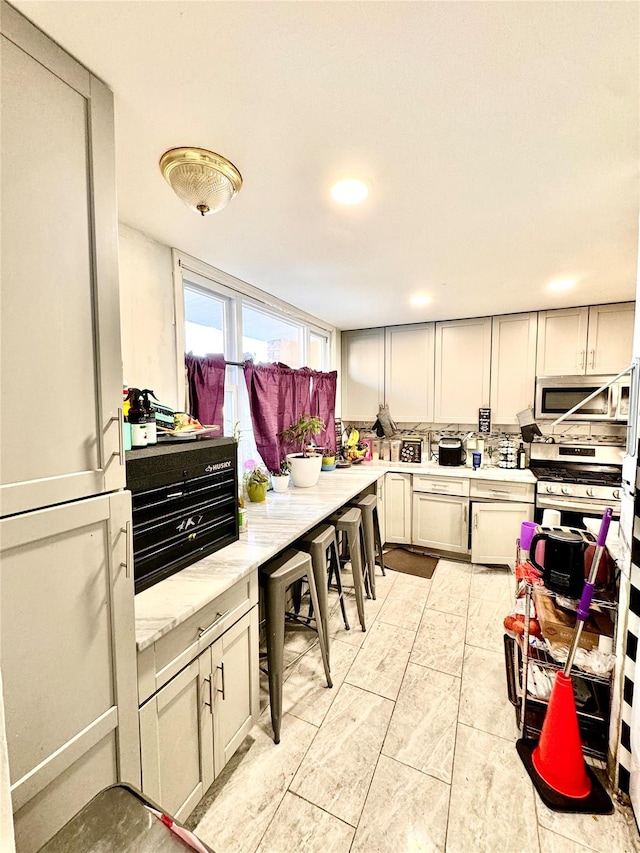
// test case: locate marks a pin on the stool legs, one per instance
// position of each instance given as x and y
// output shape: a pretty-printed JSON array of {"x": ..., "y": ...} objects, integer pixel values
[
  {"x": 355, "y": 553},
  {"x": 378, "y": 540},
  {"x": 274, "y": 626},
  {"x": 334, "y": 571}
]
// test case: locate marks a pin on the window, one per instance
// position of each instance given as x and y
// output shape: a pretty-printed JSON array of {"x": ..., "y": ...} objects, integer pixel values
[
  {"x": 268, "y": 338},
  {"x": 216, "y": 313}
]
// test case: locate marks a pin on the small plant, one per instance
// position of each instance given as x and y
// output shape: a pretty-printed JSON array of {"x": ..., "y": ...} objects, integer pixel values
[
  {"x": 301, "y": 433},
  {"x": 254, "y": 473},
  {"x": 283, "y": 470}
]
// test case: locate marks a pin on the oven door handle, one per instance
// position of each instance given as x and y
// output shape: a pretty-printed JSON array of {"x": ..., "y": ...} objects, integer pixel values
[{"x": 578, "y": 506}]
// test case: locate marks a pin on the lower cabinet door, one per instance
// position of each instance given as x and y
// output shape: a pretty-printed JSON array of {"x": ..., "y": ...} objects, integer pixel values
[
  {"x": 234, "y": 668},
  {"x": 494, "y": 530},
  {"x": 397, "y": 507},
  {"x": 176, "y": 739},
  {"x": 441, "y": 521}
]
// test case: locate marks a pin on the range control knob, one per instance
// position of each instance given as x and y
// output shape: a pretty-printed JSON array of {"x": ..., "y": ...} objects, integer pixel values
[
  {"x": 566, "y": 490},
  {"x": 616, "y": 494},
  {"x": 550, "y": 489},
  {"x": 590, "y": 491}
]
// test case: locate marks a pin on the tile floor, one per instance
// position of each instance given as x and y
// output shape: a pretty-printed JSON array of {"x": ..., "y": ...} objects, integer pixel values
[{"x": 413, "y": 748}]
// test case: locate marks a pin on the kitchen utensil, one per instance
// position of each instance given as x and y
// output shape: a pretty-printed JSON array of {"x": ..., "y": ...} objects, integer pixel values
[{"x": 563, "y": 563}]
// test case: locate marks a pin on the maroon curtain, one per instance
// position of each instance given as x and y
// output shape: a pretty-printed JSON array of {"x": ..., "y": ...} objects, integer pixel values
[
  {"x": 323, "y": 405},
  {"x": 205, "y": 378},
  {"x": 278, "y": 395}
]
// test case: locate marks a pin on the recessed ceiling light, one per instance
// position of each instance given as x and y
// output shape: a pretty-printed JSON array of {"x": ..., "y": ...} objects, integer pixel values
[
  {"x": 420, "y": 300},
  {"x": 565, "y": 284},
  {"x": 349, "y": 191}
]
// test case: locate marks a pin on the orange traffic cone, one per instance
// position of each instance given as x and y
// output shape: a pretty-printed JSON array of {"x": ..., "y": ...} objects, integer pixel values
[
  {"x": 556, "y": 765},
  {"x": 558, "y": 756}
]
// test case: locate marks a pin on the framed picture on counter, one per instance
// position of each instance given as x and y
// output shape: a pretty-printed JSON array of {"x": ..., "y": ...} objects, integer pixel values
[{"x": 368, "y": 454}]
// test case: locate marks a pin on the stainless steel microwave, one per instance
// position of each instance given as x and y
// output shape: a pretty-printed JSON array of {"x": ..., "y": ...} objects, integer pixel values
[{"x": 556, "y": 395}]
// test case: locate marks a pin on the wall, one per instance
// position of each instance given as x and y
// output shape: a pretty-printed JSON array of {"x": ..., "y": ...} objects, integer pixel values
[{"x": 147, "y": 315}]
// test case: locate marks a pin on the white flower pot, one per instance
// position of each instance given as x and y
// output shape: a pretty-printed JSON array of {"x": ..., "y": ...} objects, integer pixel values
[
  {"x": 281, "y": 483},
  {"x": 305, "y": 470}
]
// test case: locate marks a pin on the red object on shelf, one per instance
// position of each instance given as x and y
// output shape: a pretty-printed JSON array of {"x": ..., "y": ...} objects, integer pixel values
[
  {"x": 558, "y": 757},
  {"x": 527, "y": 571}
]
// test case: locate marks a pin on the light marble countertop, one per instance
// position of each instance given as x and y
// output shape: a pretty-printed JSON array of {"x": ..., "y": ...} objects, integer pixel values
[
  {"x": 272, "y": 526},
  {"x": 505, "y": 475}
]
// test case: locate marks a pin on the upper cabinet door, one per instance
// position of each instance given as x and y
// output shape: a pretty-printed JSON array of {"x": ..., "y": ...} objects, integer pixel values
[
  {"x": 562, "y": 342},
  {"x": 513, "y": 365},
  {"x": 610, "y": 338},
  {"x": 409, "y": 371},
  {"x": 60, "y": 325},
  {"x": 463, "y": 369},
  {"x": 362, "y": 374}
]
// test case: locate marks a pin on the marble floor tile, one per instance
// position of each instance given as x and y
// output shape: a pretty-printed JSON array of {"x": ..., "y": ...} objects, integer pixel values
[
  {"x": 450, "y": 588},
  {"x": 439, "y": 642},
  {"x": 381, "y": 662},
  {"x": 485, "y": 627},
  {"x": 492, "y": 800},
  {"x": 239, "y": 806},
  {"x": 302, "y": 827},
  {"x": 405, "y": 812},
  {"x": 484, "y": 703},
  {"x": 305, "y": 692},
  {"x": 423, "y": 725},
  {"x": 601, "y": 833},
  {"x": 552, "y": 843},
  {"x": 337, "y": 770},
  {"x": 405, "y": 603},
  {"x": 492, "y": 582}
]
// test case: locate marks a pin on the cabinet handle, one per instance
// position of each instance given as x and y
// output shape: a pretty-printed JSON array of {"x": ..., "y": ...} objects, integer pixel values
[
  {"x": 499, "y": 491},
  {"x": 128, "y": 545},
  {"x": 593, "y": 359},
  {"x": 120, "y": 418},
  {"x": 209, "y": 681},
  {"x": 221, "y": 668},
  {"x": 475, "y": 521},
  {"x": 216, "y": 621},
  {"x": 466, "y": 513},
  {"x": 582, "y": 353}
]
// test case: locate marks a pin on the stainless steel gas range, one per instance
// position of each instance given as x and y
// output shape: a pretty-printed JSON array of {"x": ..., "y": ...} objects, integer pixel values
[{"x": 577, "y": 479}]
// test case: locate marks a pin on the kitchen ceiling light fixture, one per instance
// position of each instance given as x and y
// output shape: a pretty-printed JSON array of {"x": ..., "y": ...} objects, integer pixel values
[
  {"x": 204, "y": 181},
  {"x": 557, "y": 286},
  {"x": 420, "y": 300},
  {"x": 350, "y": 191}
]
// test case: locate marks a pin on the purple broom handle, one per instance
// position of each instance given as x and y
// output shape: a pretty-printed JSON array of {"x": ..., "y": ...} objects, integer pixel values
[{"x": 587, "y": 592}]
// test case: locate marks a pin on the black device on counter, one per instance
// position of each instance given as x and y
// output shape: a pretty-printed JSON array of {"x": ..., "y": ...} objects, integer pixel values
[
  {"x": 451, "y": 452},
  {"x": 185, "y": 504}
]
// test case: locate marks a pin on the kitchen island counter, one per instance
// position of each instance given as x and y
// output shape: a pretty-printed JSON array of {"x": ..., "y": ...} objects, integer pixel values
[{"x": 272, "y": 526}]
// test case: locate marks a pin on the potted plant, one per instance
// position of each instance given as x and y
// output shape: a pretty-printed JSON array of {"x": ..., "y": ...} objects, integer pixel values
[
  {"x": 256, "y": 482},
  {"x": 280, "y": 478},
  {"x": 328, "y": 459},
  {"x": 305, "y": 465}
]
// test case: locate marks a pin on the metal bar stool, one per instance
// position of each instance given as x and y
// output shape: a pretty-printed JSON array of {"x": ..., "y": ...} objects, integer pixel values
[
  {"x": 348, "y": 521},
  {"x": 368, "y": 505},
  {"x": 275, "y": 577},
  {"x": 321, "y": 544}
]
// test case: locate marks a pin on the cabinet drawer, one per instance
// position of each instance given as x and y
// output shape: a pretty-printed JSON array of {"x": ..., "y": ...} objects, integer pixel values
[
  {"x": 171, "y": 653},
  {"x": 500, "y": 490},
  {"x": 441, "y": 485}
]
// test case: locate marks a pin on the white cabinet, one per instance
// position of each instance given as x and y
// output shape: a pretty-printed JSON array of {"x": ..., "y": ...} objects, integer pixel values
[
  {"x": 462, "y": 369},
  {"x": 441, "y": 513},
  {"x": 513, "y": 365},
  {"x": 397, "y": 507},
  {"x": 578, "y": 341},
  {"x": 494, "y": 530},
  {"x": 60, "y": 333},
  {"x": 362, "y": 374},
  {"x": 409, "y": 372},
  {"x": 192, "y": 726},
  {"x": 68, "y": 659}
]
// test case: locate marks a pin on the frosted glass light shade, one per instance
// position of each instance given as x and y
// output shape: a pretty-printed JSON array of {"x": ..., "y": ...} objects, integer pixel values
[{"x": 204, "y": 181}]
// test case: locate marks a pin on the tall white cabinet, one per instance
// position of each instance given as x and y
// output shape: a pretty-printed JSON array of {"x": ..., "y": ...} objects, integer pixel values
[
  {"x": 362, "y": 374},
  {"x": 67, "y": 645},
  {"x": 513, "y": 365},
  {"x": 463, "y": 369}
]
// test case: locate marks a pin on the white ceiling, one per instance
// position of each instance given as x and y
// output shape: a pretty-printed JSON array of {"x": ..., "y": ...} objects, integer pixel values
[{"x": 500, "y": 142}]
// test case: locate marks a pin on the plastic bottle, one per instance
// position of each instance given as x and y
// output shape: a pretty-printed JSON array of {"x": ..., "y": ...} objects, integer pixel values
[
  {"x": 137, "y": 419},
  {"x": 152, "y": 429}
]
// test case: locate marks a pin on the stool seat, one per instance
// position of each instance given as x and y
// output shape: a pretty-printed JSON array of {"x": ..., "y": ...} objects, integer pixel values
[
  {"x": 348, "y": 520},
  {"x": 275, "y": 577}
]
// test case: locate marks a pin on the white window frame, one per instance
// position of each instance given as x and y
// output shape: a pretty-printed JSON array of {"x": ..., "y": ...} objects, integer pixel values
[{"x": 237, "y": 293}]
